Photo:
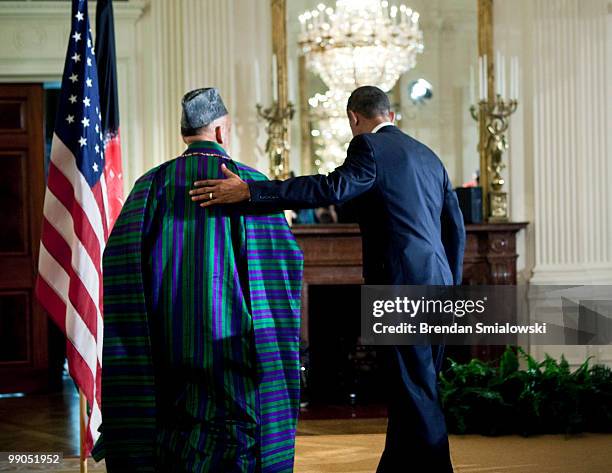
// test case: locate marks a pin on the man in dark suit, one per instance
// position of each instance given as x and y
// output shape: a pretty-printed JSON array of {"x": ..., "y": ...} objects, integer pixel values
[{"x": 413, "y": 234}]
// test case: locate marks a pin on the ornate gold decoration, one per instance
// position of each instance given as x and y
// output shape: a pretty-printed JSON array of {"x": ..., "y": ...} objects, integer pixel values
[
  {"x": 277, "y": 145},
  {"x": 485, "y": 49},
  {"x": 493, "y": 115},
  {"x": 485, "y": 41},
  {"x": 494, "y": 118},
  {"x": 281, "y": 111}
]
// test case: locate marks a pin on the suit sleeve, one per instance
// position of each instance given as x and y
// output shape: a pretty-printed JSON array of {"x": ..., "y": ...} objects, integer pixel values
[
  {"x": 453, "y": 231},
  {"x": 354, "y": 177}
]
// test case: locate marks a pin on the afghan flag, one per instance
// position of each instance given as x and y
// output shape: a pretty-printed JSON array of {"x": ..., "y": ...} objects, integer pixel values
[{"x": 109, "y": 107}]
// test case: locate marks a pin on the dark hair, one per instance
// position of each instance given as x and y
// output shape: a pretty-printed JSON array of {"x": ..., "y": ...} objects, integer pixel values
[{"x": 369, "y": 101}]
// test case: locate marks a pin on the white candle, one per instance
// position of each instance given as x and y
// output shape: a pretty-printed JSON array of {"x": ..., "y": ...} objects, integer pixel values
[
  {"x": 472, "y": 86},
  {"x": 515, "y": 77},
  {"x": 518, "y": 79},
  {"x": 480, "y": 77},
  {"x": 485, "y": 78},
  {"x": 274, "y": 78},
  {"x": 482, "y": 62},
  {"x": 498, "y": 73},
  {"x": 257, "y": 78},
  {"x": 503, "y": 76}
]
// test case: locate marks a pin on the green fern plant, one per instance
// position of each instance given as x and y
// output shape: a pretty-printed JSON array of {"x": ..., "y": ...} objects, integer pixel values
[{"x": 545, "y": 397}]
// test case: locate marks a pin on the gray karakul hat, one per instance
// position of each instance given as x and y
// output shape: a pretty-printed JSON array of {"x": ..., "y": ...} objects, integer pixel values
[{"x": 201, "y": 107}]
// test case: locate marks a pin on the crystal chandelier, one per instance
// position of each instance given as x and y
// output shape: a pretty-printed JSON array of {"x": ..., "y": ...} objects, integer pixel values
[
  {"x": 330, "y": 131},
  {"x": 360, "y": 42}
]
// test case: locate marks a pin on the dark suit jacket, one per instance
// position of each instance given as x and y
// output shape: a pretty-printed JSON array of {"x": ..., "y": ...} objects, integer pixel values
[{"x": 412, "y": 227}]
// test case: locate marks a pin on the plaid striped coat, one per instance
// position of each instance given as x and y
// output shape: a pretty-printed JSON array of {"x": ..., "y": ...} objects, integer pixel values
[{"x": 201, "y": 313}]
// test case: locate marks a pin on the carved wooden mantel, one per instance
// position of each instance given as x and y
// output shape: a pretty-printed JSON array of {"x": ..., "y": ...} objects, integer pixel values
[{"x": 332, "y": 255}]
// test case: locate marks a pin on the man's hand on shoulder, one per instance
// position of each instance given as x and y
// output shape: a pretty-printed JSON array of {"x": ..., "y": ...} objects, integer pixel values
[{"x": 220, "y": 191}]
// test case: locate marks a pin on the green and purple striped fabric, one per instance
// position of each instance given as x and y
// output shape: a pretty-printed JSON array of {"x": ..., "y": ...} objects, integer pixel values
[{"x": 202, "y": 312}]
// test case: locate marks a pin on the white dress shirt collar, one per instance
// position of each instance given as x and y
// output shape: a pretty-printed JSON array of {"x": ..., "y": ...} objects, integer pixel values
[{"x": 381, "y": 125}]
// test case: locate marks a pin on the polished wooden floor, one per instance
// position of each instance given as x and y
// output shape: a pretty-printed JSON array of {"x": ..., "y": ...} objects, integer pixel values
[{"x": 350, "y": 443}]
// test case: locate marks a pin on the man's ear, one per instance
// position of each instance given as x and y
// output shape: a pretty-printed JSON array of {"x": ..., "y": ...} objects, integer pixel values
[
  {"x": 353, "y": 118},
  {"x": 392, "y": 117},
  {"x": 219, "y": 135}
]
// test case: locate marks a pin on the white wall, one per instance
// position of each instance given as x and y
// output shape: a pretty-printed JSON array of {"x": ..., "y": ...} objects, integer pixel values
[{"x": 560, "y": 165}]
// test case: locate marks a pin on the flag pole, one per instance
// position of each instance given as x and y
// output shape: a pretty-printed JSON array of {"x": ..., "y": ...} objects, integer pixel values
[{"x": 83, "y": 431}]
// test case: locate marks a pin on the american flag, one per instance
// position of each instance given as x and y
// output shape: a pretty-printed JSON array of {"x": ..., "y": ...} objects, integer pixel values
[{"x": 76, "y": 220}]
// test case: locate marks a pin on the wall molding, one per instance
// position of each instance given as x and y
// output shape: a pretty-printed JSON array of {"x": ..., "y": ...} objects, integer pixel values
[
  {"x": 131, "y": 10},
  {"x": 576, "y": 274}
]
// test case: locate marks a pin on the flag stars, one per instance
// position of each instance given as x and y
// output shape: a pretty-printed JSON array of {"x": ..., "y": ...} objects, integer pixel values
[
  {"x": 72, "y": 99},
  {"x": 76, "y": 36},
  {"x": 89, "y": 61},
  {"x": 87, "y": 101},
  {"x": 74, "y": 78},
  {"x": 76, "y": 57},
  {"x": 70, "y": 118},
  {"x": 97, "y": 128},
  {"x": 89, "y": 42},
  {"x": 88, "y": 81},
  {"x": 97, "y": 149},
  {"x": 83, "y": 141},
  {"x": 85, "y": 122},
  {"x": 95, "y": 167},
  {"x": 79, "y": 16}
]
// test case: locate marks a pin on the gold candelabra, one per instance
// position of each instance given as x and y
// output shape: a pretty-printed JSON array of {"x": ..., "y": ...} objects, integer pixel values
[
  {"x": 277, "y": 120},
  {"x": 494, "y": 119},
  {"x": 280, "y": 113}
]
